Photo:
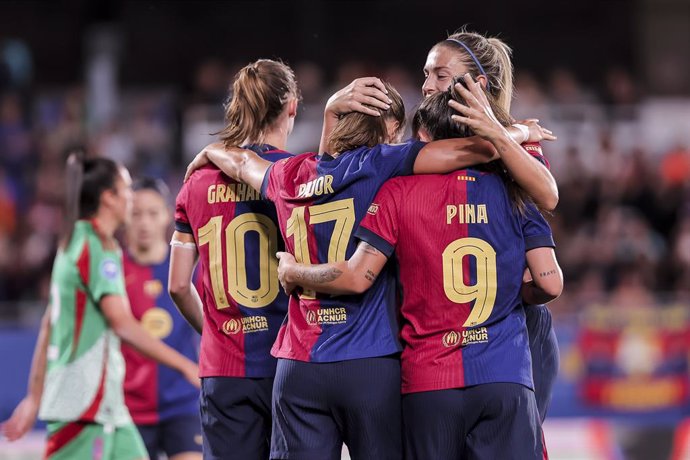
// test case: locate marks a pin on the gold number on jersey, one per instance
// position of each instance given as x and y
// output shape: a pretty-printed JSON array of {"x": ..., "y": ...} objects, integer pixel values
[
  {"x": 341, "y": 211},
  {"x": 484, "y": 291},
  {"x": 235, "y": 236}
]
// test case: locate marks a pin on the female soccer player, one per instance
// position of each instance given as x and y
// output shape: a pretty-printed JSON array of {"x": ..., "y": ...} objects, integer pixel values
[
  {"x": 163, "y": 405},
  {"x": 328, "y": 344},
  {"x": 466, "y": 365},
  {"x": 488, "y": 61},
  {"x": 235, "y": 232},
  {"x": 89, "y": 313}
]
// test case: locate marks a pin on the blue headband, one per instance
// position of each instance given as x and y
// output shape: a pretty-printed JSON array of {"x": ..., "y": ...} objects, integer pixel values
[{"x": 474, "y": 58}]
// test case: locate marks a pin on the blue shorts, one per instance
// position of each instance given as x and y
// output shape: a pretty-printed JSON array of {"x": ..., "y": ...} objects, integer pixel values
[
  {"x": 490, "y": 421},
  {"x": 173, "y": 436},
  {"x": 236, "y": 417},
  {"x": 543, "y": 346},
  {"x": 319, "y": 406}
]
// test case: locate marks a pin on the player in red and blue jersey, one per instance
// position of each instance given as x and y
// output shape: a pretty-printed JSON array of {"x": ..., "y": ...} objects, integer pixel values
[
  {"x": 163, "y": 405},
  {"x": 462, "y": 246},
  {"x": 320, "y": 199},
  {"x": 234, "y": 231},
  {"x": 489, "y": 61}
]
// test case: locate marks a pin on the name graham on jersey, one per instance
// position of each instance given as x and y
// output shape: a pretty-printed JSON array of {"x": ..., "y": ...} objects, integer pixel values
[
  {"x": 466, "y": 214},
  {"x": 223, "y": 193},
  {"x": 322, "y": 185}
]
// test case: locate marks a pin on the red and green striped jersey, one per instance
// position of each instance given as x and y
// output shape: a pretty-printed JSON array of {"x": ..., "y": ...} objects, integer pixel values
[
  {"x": 85, "y": 369},
  {"x": 461, "y": 248}
]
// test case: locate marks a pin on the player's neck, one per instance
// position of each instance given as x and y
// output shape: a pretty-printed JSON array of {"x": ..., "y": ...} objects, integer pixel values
[
  {"x": 277, "y": 138},
  {"x": 106, "y": 225},
  {"x": 150, "y": 255}
]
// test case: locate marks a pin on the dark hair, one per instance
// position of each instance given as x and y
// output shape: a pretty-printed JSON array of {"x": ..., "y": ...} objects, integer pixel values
[
  {"x": 357, "y": 129},
  {"x": 86, "y": 179},
  {"x": 153, "y": 184},
  {"x": 494, "y": 57},
  {"x": 434, "y": 116},
  {"x": 259, "y": 94}
]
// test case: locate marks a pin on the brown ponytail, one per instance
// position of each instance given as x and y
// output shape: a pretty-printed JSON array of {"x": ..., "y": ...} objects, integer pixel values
[
  {"x": 259, "y": 94},
  {"x": 74, "y": 176}
]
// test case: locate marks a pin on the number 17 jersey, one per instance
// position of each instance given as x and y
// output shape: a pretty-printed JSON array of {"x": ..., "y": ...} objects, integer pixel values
[
  {"x": 320, "y": 201},
  {"x": 236, "y": 233}
]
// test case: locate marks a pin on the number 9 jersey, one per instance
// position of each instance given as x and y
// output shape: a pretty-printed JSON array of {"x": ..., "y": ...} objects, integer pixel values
[
  {"x": 461, "y": 247},
  {"x": 236, "y": 233}
]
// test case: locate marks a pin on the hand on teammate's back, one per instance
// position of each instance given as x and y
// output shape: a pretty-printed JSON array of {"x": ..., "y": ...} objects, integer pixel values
[{"x": 21, "y": 420}]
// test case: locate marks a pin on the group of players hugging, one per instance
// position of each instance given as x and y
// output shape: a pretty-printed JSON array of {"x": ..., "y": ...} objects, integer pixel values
[{"x": 411, "y": 319}]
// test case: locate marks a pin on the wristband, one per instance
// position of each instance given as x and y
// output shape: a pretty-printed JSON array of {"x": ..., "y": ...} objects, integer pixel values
[
  {"x": 180, "y": 244},
  {"x": 524, "y": 129}
]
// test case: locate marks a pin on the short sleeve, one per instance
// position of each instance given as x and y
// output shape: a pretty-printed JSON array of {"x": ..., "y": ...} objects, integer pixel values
[
  {"x": 535, "y": 230},
  {"x": 392, "y": 160},
  {"x": 105, "y": 273},
  {"x": 379, "y": 227},
  {"x": 534, "y": 149},
  {"x": 268, "y": 185},
  {"x": 182, "y": 224}
]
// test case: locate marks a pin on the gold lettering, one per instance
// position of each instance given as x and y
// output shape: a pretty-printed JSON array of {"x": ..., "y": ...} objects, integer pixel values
[
  {"x": 327, "y": 186},
  {"x": 318, "y": 186},
  {"x": 211, "y": 194},
  {"x": 302, "y": 189},
  {"x": 241, "y": 192},
  {"x": 469, "y": 214},
  {"x": 221, "y": 193},
  {"x": 230, "y": 192},
  {"x": 482, "y": 216},
  {"x": 451, "y": 211}
]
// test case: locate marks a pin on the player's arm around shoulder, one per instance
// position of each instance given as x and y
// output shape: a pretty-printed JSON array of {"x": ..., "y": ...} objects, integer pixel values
[
  {"x": 546, "y": 282},
  {"x": 240, "y": 164},
  {"x": 352, "y": 276}
]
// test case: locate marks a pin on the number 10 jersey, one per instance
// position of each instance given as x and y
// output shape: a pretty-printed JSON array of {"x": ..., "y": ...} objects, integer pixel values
[{"x": 236, "y": 233}]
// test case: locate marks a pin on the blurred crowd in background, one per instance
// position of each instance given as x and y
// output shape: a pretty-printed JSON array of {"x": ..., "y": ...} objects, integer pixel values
[{"x": 622, "y": 225}]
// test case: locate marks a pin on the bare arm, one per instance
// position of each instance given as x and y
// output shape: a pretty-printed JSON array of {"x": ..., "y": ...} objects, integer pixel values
[
  {"x": 527, "y": 171},
  {"x": 181, "y": 287},
  {"x": 353, "y": 276},
  {"x": 119, "y": 316},
  {"x": 240, "y": 164},
  {"x": 547, "y": 278},
  {"x": 24, "y": 415}
]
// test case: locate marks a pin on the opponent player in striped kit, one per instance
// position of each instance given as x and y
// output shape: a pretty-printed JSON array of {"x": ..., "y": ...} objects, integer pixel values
[
  {"x": 462, "y": 241},
  {"x": 163, "y": 405},
  {"x": 234, "y": 231},
  {"x": 77, "y": 373}
]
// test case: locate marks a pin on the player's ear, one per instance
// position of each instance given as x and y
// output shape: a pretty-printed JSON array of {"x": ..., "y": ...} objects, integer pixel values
[
  {"x": 292, "y": 107},
  {"x": 482, "y": 81}
]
